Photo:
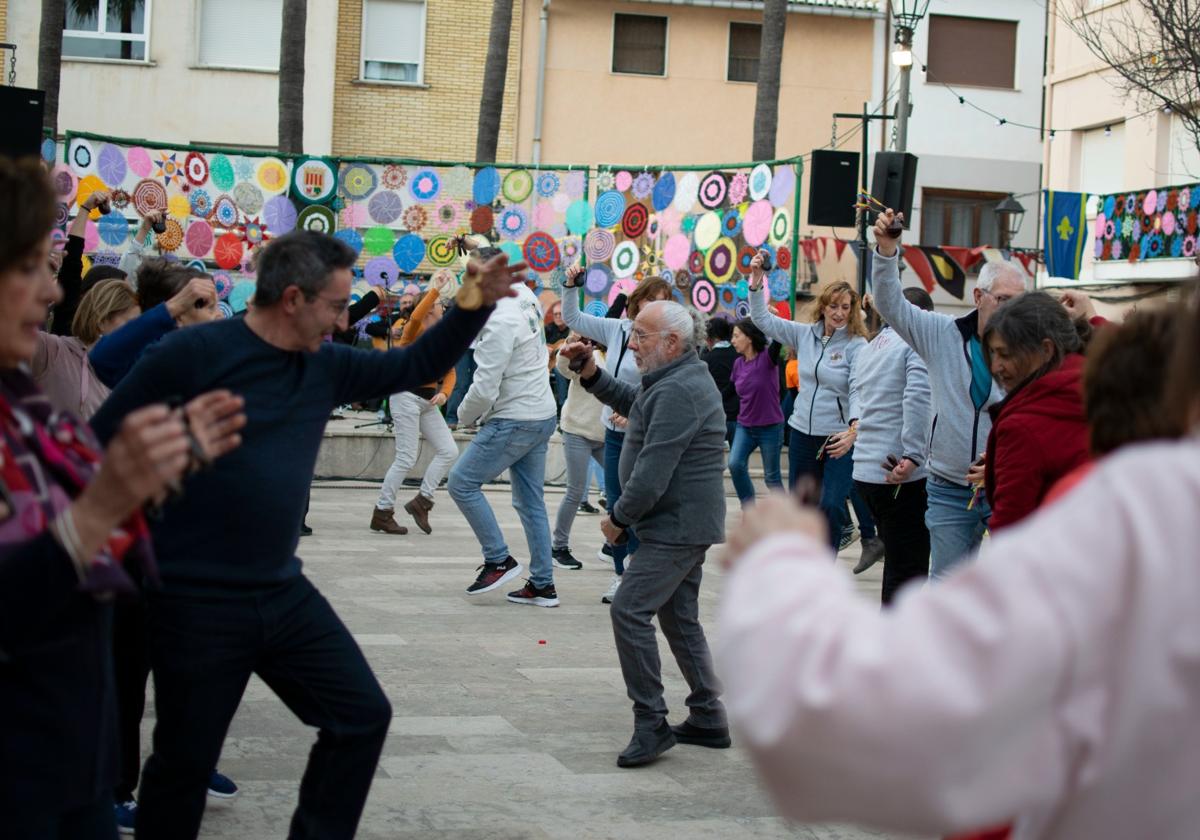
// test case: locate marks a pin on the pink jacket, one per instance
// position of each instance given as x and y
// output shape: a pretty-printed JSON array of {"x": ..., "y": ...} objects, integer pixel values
[{"x": 1055, "y": 683}]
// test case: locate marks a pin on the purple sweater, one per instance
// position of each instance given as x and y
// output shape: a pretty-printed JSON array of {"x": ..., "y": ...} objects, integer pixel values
[{"x": 757, "y": 385}]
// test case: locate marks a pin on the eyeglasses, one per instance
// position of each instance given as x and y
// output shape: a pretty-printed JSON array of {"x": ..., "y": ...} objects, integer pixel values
[
  {"x": 338, "y": 306},
  {"x": 1001, "y": 299},
  {"x": 642, "y": 335}
]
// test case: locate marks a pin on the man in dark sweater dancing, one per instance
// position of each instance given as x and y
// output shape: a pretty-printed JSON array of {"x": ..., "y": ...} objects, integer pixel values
[
  {"x": 672, "y": 469},
  {"x": 233, "y": 599}
]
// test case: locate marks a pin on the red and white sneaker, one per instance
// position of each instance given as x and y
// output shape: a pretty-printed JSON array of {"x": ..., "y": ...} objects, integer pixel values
[
  {"x": 494, "y": 576},
  {"x": 534, "y": 597}
]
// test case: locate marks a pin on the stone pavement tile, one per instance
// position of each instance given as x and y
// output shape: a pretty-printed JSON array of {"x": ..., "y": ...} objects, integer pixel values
[{"x": 495, "y": 735}]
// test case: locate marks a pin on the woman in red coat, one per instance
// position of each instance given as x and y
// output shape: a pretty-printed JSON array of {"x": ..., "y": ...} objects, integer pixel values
[{"x": 1039, "y": 432}]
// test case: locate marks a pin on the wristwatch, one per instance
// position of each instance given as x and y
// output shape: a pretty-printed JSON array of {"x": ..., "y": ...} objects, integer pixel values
[{"x": 567, "y": 284}]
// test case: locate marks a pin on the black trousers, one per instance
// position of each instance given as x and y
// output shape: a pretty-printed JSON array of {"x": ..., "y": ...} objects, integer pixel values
[
  {"x": 131, "y": 669},
  {"x": 97, "y": 821},
  {"x": 203, "y": 649},
  {"x": 900, "y": 521}
]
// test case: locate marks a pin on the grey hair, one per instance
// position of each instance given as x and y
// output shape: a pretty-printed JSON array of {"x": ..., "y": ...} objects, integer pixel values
[
  {"x": 1026, "y": 321},
  {"x": 304, "y": 259},
  {"x": 993, "y": 271},
  {"x": 688, "y": 324}
]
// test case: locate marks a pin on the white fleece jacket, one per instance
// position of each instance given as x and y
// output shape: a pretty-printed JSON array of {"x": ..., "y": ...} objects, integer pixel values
[{"x": 512, "y": 380}]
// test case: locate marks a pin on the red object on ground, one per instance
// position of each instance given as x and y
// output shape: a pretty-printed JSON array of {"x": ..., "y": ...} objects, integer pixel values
[{"x": 541, "y": 641}]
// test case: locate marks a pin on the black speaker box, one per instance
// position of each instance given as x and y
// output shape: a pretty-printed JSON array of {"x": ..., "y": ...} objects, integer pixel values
[
  {"x": 894, "y": 180},
  {"x": 832, "y": 188},
  {"x": 21, "y": 113}
]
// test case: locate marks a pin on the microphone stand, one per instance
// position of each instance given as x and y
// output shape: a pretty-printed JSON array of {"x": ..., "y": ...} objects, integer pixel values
[{"x": 387, "y": 420}]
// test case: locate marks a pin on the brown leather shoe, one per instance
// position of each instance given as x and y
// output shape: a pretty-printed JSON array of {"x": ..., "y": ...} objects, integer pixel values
[
  {"x": 419, "y": 509},
  {"x": 382, "y": 521}
]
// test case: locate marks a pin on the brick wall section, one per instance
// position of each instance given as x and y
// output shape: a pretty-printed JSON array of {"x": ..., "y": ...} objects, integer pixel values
[
  {"x": 437, "y": 122},
  {"x": 4, "y": 28}
]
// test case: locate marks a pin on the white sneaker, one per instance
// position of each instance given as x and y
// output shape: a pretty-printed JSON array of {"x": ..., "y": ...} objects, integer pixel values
[{"x": 613, "y": 586}]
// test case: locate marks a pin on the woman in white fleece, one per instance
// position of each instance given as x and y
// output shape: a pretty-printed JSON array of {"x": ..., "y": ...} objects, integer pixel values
[{"x": 1055, "y": 686}]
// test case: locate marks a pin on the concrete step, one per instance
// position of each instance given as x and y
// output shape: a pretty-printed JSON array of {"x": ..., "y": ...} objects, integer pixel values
[{"x": 352, "y": 450}]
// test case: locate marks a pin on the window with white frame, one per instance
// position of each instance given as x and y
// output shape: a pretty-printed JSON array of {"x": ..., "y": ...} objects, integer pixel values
[
  {"x": 239, "y": 34},
  {"x": 639, "y": 44},
  {"x": 393, "y": 41},
  {"x": 107, "y": 29},
  {"x": 745, "y": 42},
  {"x": 1185, "y": 156}
]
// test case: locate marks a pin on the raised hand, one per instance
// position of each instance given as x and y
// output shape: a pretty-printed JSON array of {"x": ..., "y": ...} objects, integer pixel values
[
  {"x": 886, "y": 239},
  {"x": 195, "y": 303},
  {"x": 1078, "y": 305},
  {"x": 580, "y": 358},
  {"x": 488, "y": 281},
  {"x": 573, "y": 274},
  {"x": 758, "y": 269}
]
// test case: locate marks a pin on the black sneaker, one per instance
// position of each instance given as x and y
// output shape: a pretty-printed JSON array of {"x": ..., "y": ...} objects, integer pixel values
[
  {"x": 603, "y": 504},
  {"x": 586, "y": 507},
  {"x": 564, "y": 559},
  {"x": 530, "y": 594},
  {"x": 305, "y": 531},
  {"x": 716, "y": 738},
  {"x": 492, "y": 576}
]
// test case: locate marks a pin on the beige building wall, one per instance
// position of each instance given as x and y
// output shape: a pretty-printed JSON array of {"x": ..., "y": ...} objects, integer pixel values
[
  {"x": 438, "y": 119},
  {"x": 170, "y": 99},
  {"x": 692, "y": 115},
  {"x": 1081, "y": 101}
]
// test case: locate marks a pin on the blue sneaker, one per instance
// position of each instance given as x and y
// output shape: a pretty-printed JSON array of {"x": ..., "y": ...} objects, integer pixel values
[
  {"x": 221, "y": 787},
  {"x": 126, "y": 816}
]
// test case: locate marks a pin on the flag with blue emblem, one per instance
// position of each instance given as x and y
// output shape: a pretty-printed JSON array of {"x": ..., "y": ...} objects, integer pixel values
[{"x": 1065, "y": 233}]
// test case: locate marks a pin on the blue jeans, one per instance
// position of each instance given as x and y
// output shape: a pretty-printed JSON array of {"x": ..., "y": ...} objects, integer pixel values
[
  {"x": 866, "y": 522},
  {"x": 464, "y": 375},
  {"x": 613, "y": 441},
  {"x": 835, "y": 474},
  {"x": 520, "y": 447},
  {"x": 769, "y": 441},
  {"x": 954, "y": 531}
]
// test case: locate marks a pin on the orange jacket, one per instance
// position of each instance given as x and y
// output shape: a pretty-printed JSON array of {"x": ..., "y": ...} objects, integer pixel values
[{"x": 412, "y": 331}]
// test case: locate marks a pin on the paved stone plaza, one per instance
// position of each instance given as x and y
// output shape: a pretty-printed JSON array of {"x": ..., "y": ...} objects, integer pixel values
[{"x": 508, "y": 719}]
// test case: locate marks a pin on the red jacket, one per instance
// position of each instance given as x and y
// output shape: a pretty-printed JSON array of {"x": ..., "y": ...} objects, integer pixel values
[{"x": 1039, "y": 434}]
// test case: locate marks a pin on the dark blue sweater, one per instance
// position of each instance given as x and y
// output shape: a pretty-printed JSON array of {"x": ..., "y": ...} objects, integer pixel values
[
  {"x": 238, "y": 523},
  {"x": 116, "y": 353}
]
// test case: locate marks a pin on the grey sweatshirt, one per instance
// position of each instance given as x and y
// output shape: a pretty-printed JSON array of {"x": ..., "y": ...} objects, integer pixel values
[
  {"x": 613, "y": 333},
  {"x": 897, "y": 409},
  {"x": 826, "y": 403},
  {"x": 961, "y": 422},
  {"x": 673, "y": 461}
]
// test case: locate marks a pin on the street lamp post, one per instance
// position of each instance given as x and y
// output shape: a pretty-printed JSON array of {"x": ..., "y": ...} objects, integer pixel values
[
  {"x": 1009, "y": 215},
  {"x": 908, "y": 14}
]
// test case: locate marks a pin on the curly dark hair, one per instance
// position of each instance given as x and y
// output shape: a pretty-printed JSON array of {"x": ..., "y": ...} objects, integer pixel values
[{"x": 27, "y": 208}]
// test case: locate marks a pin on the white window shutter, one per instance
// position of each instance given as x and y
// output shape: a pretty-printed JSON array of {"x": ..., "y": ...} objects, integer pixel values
[{"x": 240, "y": 33}]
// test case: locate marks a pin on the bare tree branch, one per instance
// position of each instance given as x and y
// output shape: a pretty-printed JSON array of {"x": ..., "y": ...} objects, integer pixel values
[{"x": 1152, "y": 48}]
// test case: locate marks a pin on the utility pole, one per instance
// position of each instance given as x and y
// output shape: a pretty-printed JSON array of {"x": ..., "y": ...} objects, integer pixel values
[{"x": 865, "y": 121}]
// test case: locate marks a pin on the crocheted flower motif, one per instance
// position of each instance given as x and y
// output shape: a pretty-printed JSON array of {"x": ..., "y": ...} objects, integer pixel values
[
  {"x": 448, "y": 215},
  {"x": 415, "y": 218},
  {"x": 643, "y": 185},
  {"x": 201, "y": 203},
  {"x": 1116, "y": 249},
  {"x": 570, "y": 249},
  {"x": 547, "y": 184},
  {"x": 394, "y": 176},
  {"x": 739, "y": 185},
  {"x": 243, "y": 169},
  {"x": 120, "y": 199},
  {"x": 605, "y": 181},
  {"x": 512, "y": 222}
]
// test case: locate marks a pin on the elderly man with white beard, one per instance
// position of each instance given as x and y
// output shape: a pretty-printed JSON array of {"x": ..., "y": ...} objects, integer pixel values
[{"x": 672, "y": 467}]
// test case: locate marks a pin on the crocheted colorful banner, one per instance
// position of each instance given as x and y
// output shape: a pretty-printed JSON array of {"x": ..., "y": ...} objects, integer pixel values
[
  {"x": 402, "y": 216},
  {"x": 219, "y": 204},
  {"x": 696, "y": 228},
  {"x": 1147, "y": 225}
]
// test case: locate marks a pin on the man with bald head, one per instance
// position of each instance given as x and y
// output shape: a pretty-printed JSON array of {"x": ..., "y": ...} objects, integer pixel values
[
  {"x": 672, "y": 467},
  {"x": 963, "y": 391}
]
